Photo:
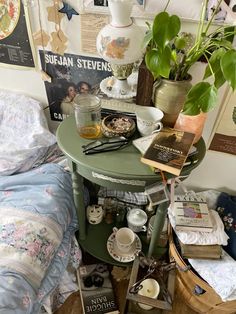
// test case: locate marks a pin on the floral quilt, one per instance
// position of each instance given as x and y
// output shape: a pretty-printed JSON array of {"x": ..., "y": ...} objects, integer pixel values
[{"x": 37, "y": 223}]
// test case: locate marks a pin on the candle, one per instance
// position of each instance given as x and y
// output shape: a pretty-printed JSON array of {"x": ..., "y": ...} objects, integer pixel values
[{"x": 150, "y": 289}]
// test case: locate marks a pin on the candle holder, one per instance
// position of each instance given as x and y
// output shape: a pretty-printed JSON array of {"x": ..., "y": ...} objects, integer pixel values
[{"x": 167, "y": 287}]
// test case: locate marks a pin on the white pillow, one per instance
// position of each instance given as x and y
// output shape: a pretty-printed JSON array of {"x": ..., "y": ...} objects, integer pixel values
[{"x": 24, "y": 134}]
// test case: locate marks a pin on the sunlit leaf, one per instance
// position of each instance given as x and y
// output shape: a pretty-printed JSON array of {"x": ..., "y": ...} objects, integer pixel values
[
  {"x": 228, "y": 66},
  {"x": 214, "y": 62},
  {"x": 201, "y": 97}
]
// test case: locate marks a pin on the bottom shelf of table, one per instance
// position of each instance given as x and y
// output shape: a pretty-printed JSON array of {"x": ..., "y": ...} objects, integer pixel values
[{"x": 96, "y": 243}]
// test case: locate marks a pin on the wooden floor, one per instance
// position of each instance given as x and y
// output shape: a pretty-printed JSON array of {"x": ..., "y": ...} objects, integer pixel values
[{"x": 73, "y": 305}]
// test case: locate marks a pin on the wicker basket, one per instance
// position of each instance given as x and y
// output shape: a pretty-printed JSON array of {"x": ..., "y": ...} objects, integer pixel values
[{"x": 188, "y": 283}]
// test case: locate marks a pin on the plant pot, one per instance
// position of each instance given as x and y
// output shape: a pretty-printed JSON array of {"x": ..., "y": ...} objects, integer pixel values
[
  {"x": 192, "y": 124},
  {"x": 169, "y": 96}
]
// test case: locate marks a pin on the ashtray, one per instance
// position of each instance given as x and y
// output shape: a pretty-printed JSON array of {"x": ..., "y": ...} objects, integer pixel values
[{"x": 118, "y": 125}]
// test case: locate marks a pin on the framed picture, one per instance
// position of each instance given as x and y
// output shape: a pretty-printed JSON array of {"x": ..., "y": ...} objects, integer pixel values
[
  {"x": 149, "y": 8},
  {"x": 156, "y": 193},
  {"x": 101, "y": 6},
  {"x": 16, "y": 41},
  {"x": 223, "y": 138}
]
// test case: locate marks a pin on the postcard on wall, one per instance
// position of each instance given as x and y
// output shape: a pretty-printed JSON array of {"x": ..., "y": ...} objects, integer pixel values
[
  {"x": 224, "y": 137},
  {"x": 91, "y": 24},
  {"x": 15, "y": 37},
  {"x": 71, "y": 74}
]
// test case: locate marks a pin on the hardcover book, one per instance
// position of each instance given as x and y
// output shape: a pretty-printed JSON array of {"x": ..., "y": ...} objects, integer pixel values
[
  {"x": 96, "y": 289},
  {"x": 192, "y": 213},
  {"x": 168, "y": 150},
  {"x": 200, "y": 251}
]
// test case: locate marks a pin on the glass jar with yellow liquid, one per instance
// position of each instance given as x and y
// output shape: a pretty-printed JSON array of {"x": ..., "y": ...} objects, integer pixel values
[{"x": 88, "y": 115}]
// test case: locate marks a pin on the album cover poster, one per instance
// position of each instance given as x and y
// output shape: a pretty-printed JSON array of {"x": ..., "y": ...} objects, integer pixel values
[
  {"x": 71, "y": 75},
  {"x": 15, "y": 40}
]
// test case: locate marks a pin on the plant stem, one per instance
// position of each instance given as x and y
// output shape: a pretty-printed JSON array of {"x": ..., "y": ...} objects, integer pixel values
[
  {"x": 166, "y": 5},
  {"x": 212, "y": 16}
]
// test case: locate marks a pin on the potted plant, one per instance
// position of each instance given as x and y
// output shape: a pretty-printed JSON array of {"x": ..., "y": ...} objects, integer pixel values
[{"x": 170, "y": 54}]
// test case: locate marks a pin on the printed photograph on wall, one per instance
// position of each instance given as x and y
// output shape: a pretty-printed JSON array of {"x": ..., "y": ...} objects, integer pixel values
[
  {"x": 104, "y": 3},
  {"x": 220, "y": 14},
  {"x": 101, "y": 6},
  {"x": 70, "y": 75},
  {"x": 224, "y": 137},
  {"x": 15, "y": 36}
]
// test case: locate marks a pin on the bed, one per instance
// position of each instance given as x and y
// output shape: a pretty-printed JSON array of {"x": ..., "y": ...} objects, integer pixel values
[{"x": 37, "y": 213}]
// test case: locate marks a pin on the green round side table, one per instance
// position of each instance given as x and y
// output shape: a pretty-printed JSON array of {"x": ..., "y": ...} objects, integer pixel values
[{"x": 119, "y": 170}]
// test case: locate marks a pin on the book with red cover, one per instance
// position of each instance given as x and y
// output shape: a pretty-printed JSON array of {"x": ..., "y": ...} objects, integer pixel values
[{"x": 169, "y": 150}]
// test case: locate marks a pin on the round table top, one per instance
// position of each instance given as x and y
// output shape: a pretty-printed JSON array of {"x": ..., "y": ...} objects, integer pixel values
[{"x": 122, "y": 163}]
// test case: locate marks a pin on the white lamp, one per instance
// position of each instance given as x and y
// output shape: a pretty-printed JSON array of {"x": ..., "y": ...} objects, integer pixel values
[{"x": 119, "y": 43}]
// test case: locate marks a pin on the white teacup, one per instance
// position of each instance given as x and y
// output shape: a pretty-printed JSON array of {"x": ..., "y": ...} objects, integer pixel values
[
  {"x": 136, "y": 219},
  {"x": 149, "y": 120},
  {"x": 124, "y": 238}
]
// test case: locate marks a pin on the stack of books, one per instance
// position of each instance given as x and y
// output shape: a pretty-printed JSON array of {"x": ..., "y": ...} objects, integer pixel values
[{"x": 192, "y": 214}]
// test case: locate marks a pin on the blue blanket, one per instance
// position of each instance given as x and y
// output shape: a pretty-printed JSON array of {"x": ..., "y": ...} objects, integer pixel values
[{"x": 37, "y": 222}]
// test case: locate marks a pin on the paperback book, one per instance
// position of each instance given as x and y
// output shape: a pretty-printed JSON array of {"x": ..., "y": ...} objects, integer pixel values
[
  {"x": 192, "y": 213},
  {"x": 169, "y": 150},
  {"x": 96, "y": 291}
]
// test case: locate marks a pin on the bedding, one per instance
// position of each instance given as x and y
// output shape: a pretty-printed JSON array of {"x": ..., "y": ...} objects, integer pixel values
[
  {"x": 37, "y": 223},
  {"x": 25, "y": 139}
]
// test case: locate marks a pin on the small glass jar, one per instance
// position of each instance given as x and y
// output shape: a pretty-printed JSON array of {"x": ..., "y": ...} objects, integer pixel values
[{"x": 88, "y": 115}]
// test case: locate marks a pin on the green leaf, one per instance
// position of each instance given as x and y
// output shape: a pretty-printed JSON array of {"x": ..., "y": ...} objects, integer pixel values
[
  {"x": 201, "y": 97},
  {"x": 164, "y": 62},
  {"x": 228, "y": 67},
  {"x": 151, "y": 60},
  {"x": 173, "y": 27},
  {"x": 147, "y": 39},
  {"x": 165, "y": 28},
  {"x": 158, "y": 62},
  {"x": 180, "y": 43},
  {"x": 214, "y": 62}
]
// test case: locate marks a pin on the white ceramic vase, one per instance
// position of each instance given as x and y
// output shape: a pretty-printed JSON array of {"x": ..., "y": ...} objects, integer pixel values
[{"x": 120, "y": 44}]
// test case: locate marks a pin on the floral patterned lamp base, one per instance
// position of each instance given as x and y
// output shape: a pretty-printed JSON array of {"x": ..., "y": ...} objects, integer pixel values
[{"x": 120, "y": 44}]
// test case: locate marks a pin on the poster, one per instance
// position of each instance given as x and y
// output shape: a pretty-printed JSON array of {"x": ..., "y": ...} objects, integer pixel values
[
  {"x": 224, "y": 136},
  {"x": 15, "y": 43},
  {"x": 71, "y": 74}
]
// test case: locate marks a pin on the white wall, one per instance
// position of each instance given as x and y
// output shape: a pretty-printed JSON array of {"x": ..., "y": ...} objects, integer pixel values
[{"x": 217, "y": 171}]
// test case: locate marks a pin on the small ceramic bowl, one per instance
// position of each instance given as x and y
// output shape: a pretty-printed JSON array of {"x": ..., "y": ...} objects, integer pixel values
[{"x": 118, "y": 125}]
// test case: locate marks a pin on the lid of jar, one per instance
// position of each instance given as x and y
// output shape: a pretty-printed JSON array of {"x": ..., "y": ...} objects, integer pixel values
[{"x": 137, "y": 216}]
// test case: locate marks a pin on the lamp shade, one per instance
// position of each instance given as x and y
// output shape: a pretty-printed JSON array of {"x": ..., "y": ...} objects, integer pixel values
[{"x": 120, "y": 41}]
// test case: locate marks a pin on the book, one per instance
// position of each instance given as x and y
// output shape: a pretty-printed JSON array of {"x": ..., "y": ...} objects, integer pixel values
[
  {"x": 168, "y": 150},
  {"x": 142, "y": 144},
  {"x": 96, "y": 290},
  {"x": 200, "y": 251},
  {"x": 191, "y": 213}
]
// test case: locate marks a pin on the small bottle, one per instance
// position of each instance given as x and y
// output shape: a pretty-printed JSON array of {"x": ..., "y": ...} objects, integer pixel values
[{"x": 88, "y": 115}]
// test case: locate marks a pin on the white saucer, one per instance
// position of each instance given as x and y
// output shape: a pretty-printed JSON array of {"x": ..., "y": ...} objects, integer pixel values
[
  {"x": 121, "y": 256},
  {"x": 113, "y": 93}
]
